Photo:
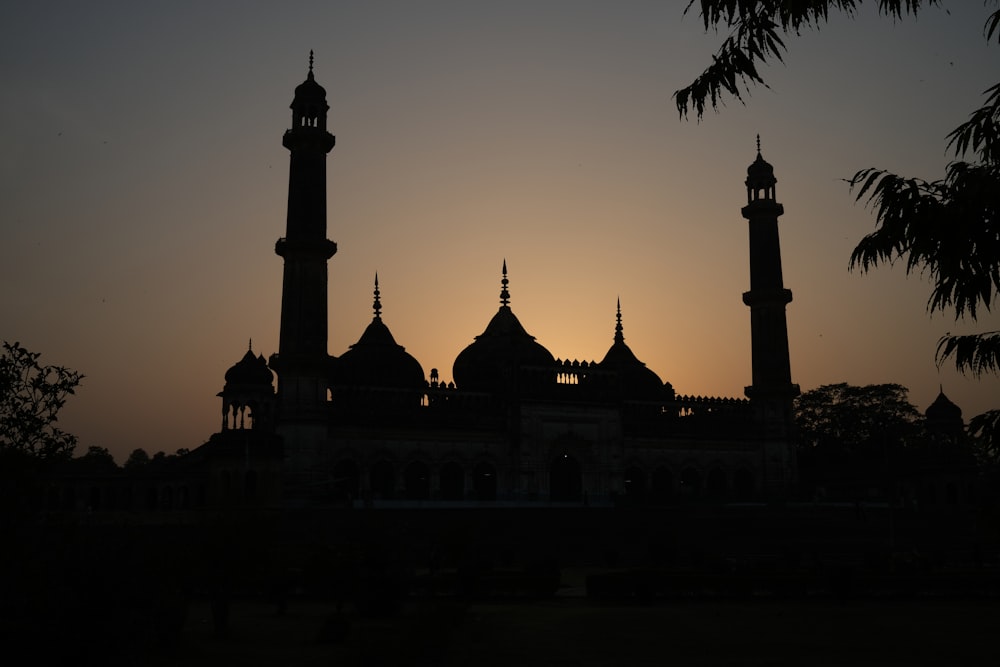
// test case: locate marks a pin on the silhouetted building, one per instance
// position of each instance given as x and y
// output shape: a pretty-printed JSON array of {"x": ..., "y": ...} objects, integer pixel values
[
  {"x": 945, "y": 474},
  {"x": 517, "y": 424}
]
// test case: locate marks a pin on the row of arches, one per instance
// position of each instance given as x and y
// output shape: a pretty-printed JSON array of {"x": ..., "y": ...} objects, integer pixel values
[
  {"x": 125, "y": 497},
  {"x": 452, "y": 481},
  {"x": 224, "y": 488},
  {"x": 662, "y": 485},
  {"x": 416, "y": 481},
  {"x": 690, "y": 483}
]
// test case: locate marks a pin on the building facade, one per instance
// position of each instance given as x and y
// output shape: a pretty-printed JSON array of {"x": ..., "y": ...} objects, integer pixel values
[{"x": 518, "y": 424}]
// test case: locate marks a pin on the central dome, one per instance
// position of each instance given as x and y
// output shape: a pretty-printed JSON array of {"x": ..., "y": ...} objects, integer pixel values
[
  {"x": 637, "y": 381},
  {"x": 376, "y": 360},
  {"x": 491, "y": 362}
]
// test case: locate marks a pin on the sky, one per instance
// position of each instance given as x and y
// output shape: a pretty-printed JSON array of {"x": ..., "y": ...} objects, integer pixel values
[{"x": 143, "y": 185}]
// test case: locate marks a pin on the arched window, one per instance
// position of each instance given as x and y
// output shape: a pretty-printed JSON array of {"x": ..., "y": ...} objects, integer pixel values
[
  {"x": 951, "y": 492},
  {"x": 690, "y": 483},
  {"x": 452, "y": 481},
  {"x": 635, "y": 484},
  {"x": 346, "y": 480},
  {"x": 716, "y": 486},
  {"x": 126, "y": 498},
  {"x": 383, "y": 480},
  {"x": 661, "y": 485},
  {"x": 250, "y": 485},
  {"x": 416, "y": 481},
  {"x": 743, "y": 484},
  {"x": 485, "y": 481},
  {"x": 565, "y": 482}
]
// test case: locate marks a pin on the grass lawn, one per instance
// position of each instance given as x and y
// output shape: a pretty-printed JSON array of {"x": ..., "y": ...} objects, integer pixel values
[{"x": 573, "y": 631}]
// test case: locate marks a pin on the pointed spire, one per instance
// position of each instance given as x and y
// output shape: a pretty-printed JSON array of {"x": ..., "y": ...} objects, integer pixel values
[
  {"x": 619, "y": 336},
  {"x": 504, "y": 294},
  {"x": 377, "y": 305},
  {"x": 250, "y": 346}
]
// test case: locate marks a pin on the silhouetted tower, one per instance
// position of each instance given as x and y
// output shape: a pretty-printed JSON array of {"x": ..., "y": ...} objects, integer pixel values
[
  {"x": 302, "y": 361},
  {"x": 772, "y": 391}
]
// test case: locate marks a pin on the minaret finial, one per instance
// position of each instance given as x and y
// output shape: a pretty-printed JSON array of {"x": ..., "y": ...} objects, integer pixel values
[
  {"x": 758, "y": 144},
  {"x": 377, "y": 305},
  {"x": 250, "y": 345},
  {"x": 619, "y": 336},
  {"x": 504, "y": 294},
  {"x": 310, "y": 62}
]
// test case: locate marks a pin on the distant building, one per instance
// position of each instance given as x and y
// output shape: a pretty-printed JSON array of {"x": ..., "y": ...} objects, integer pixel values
[{"x": 517, "y": 425}]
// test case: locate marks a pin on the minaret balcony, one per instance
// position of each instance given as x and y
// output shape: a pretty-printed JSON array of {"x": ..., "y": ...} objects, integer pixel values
[
  {"x": 308, "y": 138},
  {"x": 305, "y": 248},
  {"x": 762, "y": 207},
  {"x": 758, "y": 297}
]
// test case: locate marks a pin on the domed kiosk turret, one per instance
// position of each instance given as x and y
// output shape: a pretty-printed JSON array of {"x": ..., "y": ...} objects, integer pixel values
[
  {"x": 309, "y": 105},
  {"x": 637, "y": 381},
  {"x": 943, "y": 416},
  {"x": 760, "y": 178},
  {"x": 492, "y": 362},
  {"x": 376, "y": 360},
  {"x": 248, "y": 395}
]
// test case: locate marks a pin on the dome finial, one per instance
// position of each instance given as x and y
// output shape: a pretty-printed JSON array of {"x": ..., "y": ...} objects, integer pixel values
[
  {"x": 250, "y": 346},
  {"x": 504, "y": 294},
  {"x": 758, "y": 144},
  {"x": 377, "y": 305},
  {"x": 310, "y": 62},
  {"x": 619, "y": 336}
]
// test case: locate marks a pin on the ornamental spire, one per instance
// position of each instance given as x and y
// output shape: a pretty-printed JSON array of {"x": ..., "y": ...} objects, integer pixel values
[
  {"x": 619, "y": 336},
  {"x": 310, "y": 64},
  {"x": 504, "y": 294},
  {"x": 377, "y": 305},
  {"x": 758, "y": 145}
]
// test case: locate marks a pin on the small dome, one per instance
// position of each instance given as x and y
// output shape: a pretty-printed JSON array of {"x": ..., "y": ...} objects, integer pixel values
[
  {"x": 250, "y": 370},
  {"x": 638, "y": 381},
  {"x": 760, "y": 168},
  {"x": 942, "y": 409},
  {"x": 309, "y": 91},
  {"x": 495, "y": 356},
  {"x": 760, "y": 173},
  {"x": 309, "y": 105}
]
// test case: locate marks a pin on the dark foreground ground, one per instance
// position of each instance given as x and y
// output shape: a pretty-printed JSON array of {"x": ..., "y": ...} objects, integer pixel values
[
  {"x": 729, "y": 585},
  {"x": 576, "y": 631}
]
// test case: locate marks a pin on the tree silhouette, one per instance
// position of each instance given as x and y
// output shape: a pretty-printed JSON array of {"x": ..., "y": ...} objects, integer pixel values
[
  {"x": 850, "y": 434},
  {"x": 947, "y": 229},
  {"x": 97, "y": 459},
  {"x": 137, "y": 459},
  {"x": 31, "y": 396}
]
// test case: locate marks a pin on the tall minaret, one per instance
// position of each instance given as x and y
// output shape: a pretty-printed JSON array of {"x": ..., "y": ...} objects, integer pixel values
[
  {"x": 772, "y": 391},
  {"x": 302, "y": 361}
]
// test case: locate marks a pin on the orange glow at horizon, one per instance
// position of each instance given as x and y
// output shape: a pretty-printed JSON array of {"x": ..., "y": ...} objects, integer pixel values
[{"x": 142, "y": 195}]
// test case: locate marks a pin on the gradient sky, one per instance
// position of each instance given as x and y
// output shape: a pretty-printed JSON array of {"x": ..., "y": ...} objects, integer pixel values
[{"x": 143, "y": 184}]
